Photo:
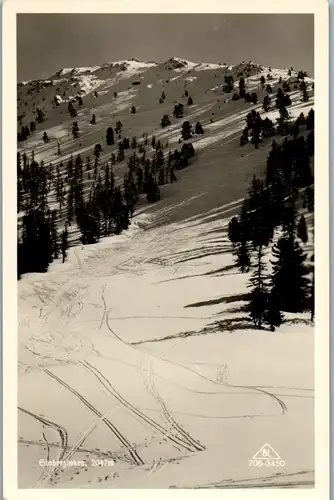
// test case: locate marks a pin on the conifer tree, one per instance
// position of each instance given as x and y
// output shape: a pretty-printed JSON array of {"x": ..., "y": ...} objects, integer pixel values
[
  {"x": 75, "y": 130},
  {"x": 244, "y": 137},
  {"x": 120, "y": 152},
  {"x": 286, "y": 87},
  {"x": 40, "y": 116},
  {"x": 70, "y": 204},
  {"x": 310, "y": 143},
  {"x": 258, "y": 297},
  {"x": 199, "y": 129},
  {"x": 242, "y": 255},
  {"x": 302, "y": 86},
  {"x": 310, "y": 120},
  {"x": 64, "y": 243},
  {"x": 70, "y": 169},
  {"x": 254, "y": 97},
  {"x": 266, "y": 103},
  {"x": 93, "y": 120},
  {"x": 190, "y": 101},
  {"x": 301, "y": 119},
  {"x": 71, "y": 110},
  {"x": 35, "y": 252},
  {"x": 273, "y": 315},
  {"x": 283, "y": 121},
  {"x": 165, "y": 121},
  {"x": 118, "y": 127},
  {"x": 234, "y": 231},
  {"x": 242, "y": 89},
  {"x": 110, "y": 136},
  {"x": 55, "y": 244},
  {"x": 178, "y": 111},
  {"x": 186, "y": 130},
  {"x": 305, "y": 96},
  {"x": 187, "y": 150},
  {"x": 45, "y": 137},
  {"x": 289, "y": 281},
  {"x": 302, "y": 230}
]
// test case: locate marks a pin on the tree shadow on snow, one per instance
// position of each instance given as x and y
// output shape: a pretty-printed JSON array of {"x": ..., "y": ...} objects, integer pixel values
[
  {"x": 215, "y": 274},
  {"x": 228, "y": 299}
]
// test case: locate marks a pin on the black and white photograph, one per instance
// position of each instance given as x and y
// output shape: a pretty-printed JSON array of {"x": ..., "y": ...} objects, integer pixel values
[{"x": 165, "y": 251}]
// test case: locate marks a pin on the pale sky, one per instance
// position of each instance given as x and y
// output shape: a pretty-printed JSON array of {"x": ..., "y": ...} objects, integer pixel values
[{"x": 49, "y": 42}]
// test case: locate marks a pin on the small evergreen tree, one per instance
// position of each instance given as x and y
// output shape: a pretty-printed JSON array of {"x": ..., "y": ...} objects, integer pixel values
[
  {"x": 93, "y": 120},
  {"x": 119, "y": 127},
  {"x": 286, "y": 87},
  {"x": 71, "y": 110},
  {"x": 244, "y": 137},
  {"x": 305, "y": 96},
  {"x": 266, "y": 103},
  {"x": 178, "y": 110},
  {"x": 40, "y": 116},
  {"x": 242, "y": 89},
  {"x": 187, "y": 150},
  {"x": 110, "y": 136},
  {"x": 234, "y": 231},
  {"x": 254, "y": 98},
  {"x": 165, "y": 121},
  {"x": 199, "y": 129},
  {"x": 186, "y": 130},
  {"x": 97, "y": 150},
  {"x": 190, "y": 101},
  {"x": 75, "y": 130},
  {"x": 45, "y": 137}
]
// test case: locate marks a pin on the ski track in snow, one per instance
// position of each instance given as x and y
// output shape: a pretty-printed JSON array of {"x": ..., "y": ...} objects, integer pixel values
[{"x": 74, "y": 332}]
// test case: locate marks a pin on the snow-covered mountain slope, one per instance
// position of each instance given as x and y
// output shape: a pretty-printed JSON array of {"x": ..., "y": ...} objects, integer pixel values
[{"x": 133, "y": 357}]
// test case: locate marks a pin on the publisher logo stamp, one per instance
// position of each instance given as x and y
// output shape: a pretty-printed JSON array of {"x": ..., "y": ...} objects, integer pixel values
[{"x": 266, "y": 457}]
